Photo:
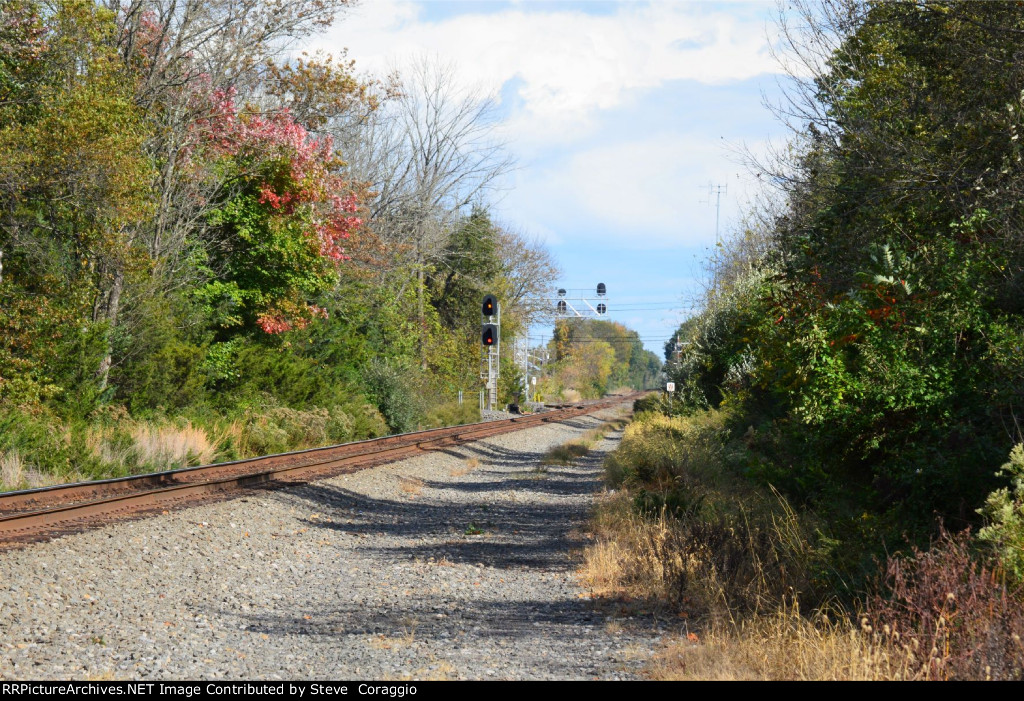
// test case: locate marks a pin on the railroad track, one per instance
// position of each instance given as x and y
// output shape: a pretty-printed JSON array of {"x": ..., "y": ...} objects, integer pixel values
[{"x": 39, "y": 514}]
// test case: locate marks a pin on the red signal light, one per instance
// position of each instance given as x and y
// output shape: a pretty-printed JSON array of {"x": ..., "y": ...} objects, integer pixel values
[{"x": 489, "y": 337}]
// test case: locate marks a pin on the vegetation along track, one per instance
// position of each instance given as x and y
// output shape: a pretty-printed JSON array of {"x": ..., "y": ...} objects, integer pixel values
[{"x": 38, "y": 514}]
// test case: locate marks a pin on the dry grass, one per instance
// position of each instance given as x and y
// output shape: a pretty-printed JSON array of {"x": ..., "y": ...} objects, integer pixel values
[
  {"x": 684, "y": 537},
  {"x": 100, "y": 441},
  {"x": 783, "y": 646},
  {"x": 565, "y": 454},
  {"x": 34, "y": 478},
  {"x": 699, "y": 561},
  {"x": 397, "y": 642},
  {"x": 15, "y": 474},
  {"x": 468, "y": 465},
  {"x": 571, "y": 396},
  {"x": 570, "y": 452},
  {"x": 437, "y": 671},
  {"x": 660, "y": 563},
  {"x": 12, "y": 470},
  {"x": 172, "y": 446},
  {"x": 411, "y": 485}
]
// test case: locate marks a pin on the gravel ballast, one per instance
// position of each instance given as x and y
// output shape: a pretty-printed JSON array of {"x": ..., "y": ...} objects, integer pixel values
[{"x": 456, "y": 564}]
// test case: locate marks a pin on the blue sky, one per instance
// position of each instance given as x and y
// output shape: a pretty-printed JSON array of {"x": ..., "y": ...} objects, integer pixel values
[{"x": 619, "y": 115}]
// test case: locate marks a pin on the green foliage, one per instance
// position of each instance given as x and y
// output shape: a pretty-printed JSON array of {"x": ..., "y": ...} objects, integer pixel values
[
  {"x": 163, "y": 367},
  {"x": 390, "y": 385},
  {"x": 176, "y": 253},
  {"x": 465, "y": 272},
  {"x": 272, "y": 263},
  {"x": 279, "y": 430},
  {"x": 452, "y": 414},
  {"x": 871, "y": 357},
  {"x": 711, "y": 528},
  {"x": 1004, "y": 512}
]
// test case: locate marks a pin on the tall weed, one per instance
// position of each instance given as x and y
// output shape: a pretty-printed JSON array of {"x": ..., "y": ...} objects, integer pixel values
[
  {"x": 955, "y": 618},
  {"x": 784, "y": 645}
]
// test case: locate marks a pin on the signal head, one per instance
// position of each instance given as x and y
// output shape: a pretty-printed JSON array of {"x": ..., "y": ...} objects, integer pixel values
[{"x": 490, "y": 305}]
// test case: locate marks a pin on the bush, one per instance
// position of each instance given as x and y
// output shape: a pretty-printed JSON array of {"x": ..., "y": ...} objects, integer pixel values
[
  {"x": 659, "y": 451},
  {"x": 389, "y": 387},
  {"x": 1004, "y": 510},
  {"x": 250, "y": 372},
  {"x": 452, "y": 414},
  {"x": 722, "y": 568},
  {"x": 688, "y": 533},
  {"x": 268, "y": 430},
  {"x": 954, "y": 617}
]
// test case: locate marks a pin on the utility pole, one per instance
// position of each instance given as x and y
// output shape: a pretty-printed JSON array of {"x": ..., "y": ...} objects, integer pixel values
[
  {"x": 522, "y": 359},
  {"x": 717, "y": 191}
]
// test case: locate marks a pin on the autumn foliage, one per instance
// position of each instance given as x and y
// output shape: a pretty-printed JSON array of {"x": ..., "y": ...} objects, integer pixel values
[{"x": 286, "y": 213}]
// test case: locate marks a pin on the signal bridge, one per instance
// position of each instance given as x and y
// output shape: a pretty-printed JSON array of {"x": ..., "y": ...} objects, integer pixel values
[{"x": 581, "y": 303}]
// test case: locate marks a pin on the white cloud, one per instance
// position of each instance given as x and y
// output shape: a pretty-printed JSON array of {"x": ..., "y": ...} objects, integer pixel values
[
  {"x": 569, "y": 65},
  {"x": 646, "y": 191}
]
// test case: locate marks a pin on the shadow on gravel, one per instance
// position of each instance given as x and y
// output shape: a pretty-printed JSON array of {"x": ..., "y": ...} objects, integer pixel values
[
  {"x": 484, "y": 525},
  {"x": 427, "y": 617},
  {"x": 534, "y": 530}
]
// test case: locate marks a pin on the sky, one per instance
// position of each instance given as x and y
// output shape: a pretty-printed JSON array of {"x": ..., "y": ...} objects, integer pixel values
[{"x": 620, "y": 116}]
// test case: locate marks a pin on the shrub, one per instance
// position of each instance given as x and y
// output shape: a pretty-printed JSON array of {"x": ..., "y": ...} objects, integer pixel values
[
  {"x": 1004, "y": 510},
  {"x": 659, "y": 450},
  {"x": 452, "y": 414},
  {"x": 954, "y": 616},
  {"x": 725, "y": 567},
  {"x": 167, "y": 446},
  {"x": 689, "y": 533},
  {"x": 388, "y": 385}
]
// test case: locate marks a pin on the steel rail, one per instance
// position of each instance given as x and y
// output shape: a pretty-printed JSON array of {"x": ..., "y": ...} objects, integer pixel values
[{"x": 34, "y": 514}]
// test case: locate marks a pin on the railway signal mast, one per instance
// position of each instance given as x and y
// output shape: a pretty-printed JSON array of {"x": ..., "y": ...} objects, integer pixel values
[{"x": 490, "y": 339}]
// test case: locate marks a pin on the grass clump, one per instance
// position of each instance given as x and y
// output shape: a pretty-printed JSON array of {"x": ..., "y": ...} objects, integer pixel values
[
  {"x": 467, "y": 466},
  {"x": 565, "y": 454},
  {"x": 571, "y": 451},
  {"x": 783, "y": 645},
  {"x": 412, "y": 486}
]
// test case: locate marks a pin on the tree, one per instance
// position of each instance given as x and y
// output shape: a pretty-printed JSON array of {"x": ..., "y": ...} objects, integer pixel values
[
  {"x": 593, "y": 356},
  {"x": 428, "y": 154},
  {"x": 528, "y": 274},
  {"x": 465, "y": 271},
  {"x": 880, "y": 329},
  {"x": 276, "y": 240},
  {"x": 76, "y": 180}
]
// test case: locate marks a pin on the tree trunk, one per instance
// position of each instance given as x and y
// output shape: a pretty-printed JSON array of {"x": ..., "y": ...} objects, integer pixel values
[
  {"x": 106, "y": 310},
  {"x": 423, "y": 320}
]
